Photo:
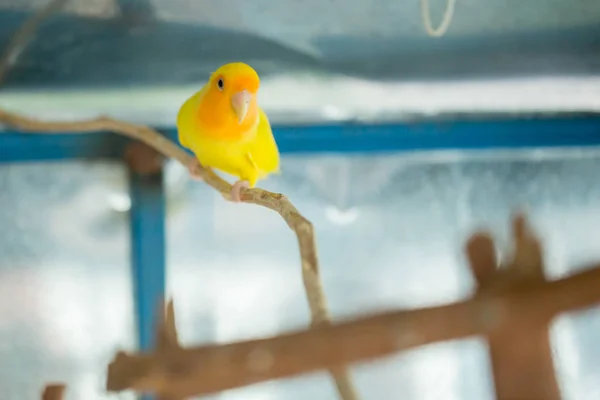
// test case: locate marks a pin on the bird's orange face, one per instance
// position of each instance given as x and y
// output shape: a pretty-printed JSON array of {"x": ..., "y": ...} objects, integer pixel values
[{"x": 229, "y": 104}]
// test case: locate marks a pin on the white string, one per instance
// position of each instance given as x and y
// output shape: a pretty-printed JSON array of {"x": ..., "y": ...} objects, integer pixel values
[{"x": 446, "y": 19}]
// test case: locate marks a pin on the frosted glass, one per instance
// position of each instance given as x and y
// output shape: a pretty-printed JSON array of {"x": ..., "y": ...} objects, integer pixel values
[
  {"x": 65, "y": 282},
  {"x": 390, "y": 231}
]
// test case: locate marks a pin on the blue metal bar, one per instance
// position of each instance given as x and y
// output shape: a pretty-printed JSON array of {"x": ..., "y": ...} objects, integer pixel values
[
  {"x": 43, "y": 147},
  {"x": 442, "y": 135},
  {"x": 468, "y": 135},
  {"x": 148, "y": 252}
]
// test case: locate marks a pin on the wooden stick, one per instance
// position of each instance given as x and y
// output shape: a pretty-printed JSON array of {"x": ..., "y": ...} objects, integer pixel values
[
  {"x": 208, "y": 369},
  {"x": 167, "y": 337},
  {"x": 55, "y": 391},
  {"x": 24, "y": 35},
  {"x": 519, "y": 347}
]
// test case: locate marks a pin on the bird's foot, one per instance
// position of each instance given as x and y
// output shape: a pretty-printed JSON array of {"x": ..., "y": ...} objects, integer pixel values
[
  {"x": 195, "y": 170},
  {"x": 236, "y": 189}
]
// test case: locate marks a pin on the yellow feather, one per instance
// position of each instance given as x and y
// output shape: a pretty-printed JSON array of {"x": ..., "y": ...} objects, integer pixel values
[{"x": 252, "y": 156}]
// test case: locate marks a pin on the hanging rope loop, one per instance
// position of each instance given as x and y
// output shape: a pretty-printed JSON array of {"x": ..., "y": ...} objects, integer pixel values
[{"x": 446, "y": 19}]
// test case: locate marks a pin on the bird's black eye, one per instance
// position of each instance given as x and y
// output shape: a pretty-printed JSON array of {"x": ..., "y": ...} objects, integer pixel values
[{"x": 220, "y": 84}]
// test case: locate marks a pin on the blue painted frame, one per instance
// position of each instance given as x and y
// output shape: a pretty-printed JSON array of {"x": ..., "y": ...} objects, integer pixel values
[
  {"x": 546, "y": 132},
  {"x": 147, "y": 217},
  {"x": 148, "y": 197}
]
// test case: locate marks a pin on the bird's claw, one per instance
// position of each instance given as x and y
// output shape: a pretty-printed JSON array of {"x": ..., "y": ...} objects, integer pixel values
[{"x": 236, "y": 189}]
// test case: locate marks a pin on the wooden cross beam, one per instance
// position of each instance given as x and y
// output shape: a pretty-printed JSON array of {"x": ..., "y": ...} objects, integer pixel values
[
  {"x": 519, "y": 346},
  {"x": 167, "y": 340},
  {"x": 512, "y": 307}
]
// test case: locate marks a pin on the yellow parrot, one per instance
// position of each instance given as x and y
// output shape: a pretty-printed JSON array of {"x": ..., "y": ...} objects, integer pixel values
[{"x": 225, "y": 128}]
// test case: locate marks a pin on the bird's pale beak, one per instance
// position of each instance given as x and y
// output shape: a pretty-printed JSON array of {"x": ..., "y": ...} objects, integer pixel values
[{"x": 240, "y": 102}]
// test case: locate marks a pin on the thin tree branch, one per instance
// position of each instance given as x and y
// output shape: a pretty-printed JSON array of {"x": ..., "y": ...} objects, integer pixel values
[
  {"x": 277, "y": 202},
  {"x": 167, "y": 336},
  {"x": 25, "y": 34}
]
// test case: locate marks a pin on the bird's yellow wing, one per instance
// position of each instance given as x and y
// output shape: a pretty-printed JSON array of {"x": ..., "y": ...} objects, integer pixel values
[
  {"x": 257, "y": 158},
  {"x": 185, "y": 120},
  {"x": 263, "y": 149}
]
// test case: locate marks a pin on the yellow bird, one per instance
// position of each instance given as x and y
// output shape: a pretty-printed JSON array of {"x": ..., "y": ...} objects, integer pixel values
[{"x": 225, "y": 128}]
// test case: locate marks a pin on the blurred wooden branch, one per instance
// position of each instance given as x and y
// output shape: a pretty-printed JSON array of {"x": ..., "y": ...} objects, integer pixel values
[
  {"x": 516, "y": 301},
  {"x": 302, "y": 227},
  {"x": 512, "y": 308},
  {"x": 54, "y": 392},
  {"x": 167, "y": 338},
  {"x": 520, "y": 345},
  {"x": 26, "y": 32}
]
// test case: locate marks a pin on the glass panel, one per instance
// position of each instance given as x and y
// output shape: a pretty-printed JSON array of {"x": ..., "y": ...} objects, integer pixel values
[
  {"x": 390, "y": 232},
  {"x": 65, "y": 283},
  {"x": 101, "y": 9}
]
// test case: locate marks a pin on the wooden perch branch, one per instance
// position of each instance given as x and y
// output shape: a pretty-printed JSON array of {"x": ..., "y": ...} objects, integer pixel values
[
  {"x": 519, "y": 348},
  {"x": 502, "y": 301},
  {"x": 299, "y": 224},
  {"x": 302, "y": 227},
  {"x": 167, "y": 337},
  {"x": 54, "y": 392}
]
